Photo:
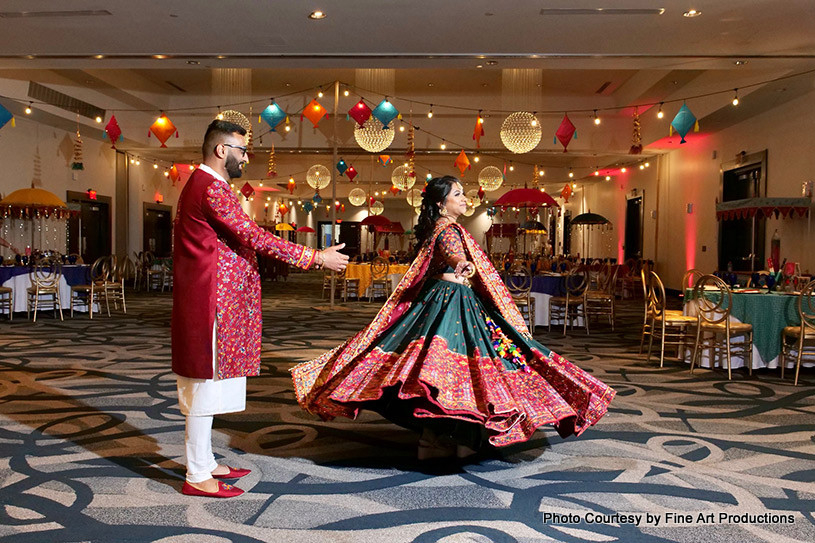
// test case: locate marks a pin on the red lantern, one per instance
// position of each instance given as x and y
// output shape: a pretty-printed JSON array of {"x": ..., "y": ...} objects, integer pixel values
[
  {"x": 360, "y": 112},
  {"x": 91, "y": 194},
  {"x": 351, "y": 173},
  {"x": 282, "y": 209},
  {"x": 394, "y": 190}
]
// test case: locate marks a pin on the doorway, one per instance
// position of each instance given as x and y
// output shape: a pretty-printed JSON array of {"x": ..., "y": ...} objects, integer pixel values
[
  {"x": 741, "y": 241},
  {"x": 89, "y": 232},
  {"x": 158, "y": 230},
  {"x": 345, "y": 232},
  {"x": 633, "y": 228}
]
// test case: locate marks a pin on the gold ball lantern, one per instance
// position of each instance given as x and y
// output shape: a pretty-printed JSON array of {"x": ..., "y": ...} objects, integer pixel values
[
  {"x": 372, "y": 137},
  {"x": 377, "y": 208},
  {"x": 357, "y": 197},
  {"x": 414, "y": 197},
  {"x": 520, "y": 132},
  {"x": 490, "y": 178},
  {"x": 472, "y": 198},
  {"x": 318, "y": 177},
  {"x": 401, "y": 178}
]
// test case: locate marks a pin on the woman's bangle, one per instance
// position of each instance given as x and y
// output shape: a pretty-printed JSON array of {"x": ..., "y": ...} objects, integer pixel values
[{"x": 319, "y": 259}]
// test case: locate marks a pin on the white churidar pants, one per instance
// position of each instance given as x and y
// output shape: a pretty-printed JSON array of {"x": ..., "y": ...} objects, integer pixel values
[{"x": 199, "y": 400}]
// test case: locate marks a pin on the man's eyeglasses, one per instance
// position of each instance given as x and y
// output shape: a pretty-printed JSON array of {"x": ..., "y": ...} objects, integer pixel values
[{"x": 242, "y": 149}]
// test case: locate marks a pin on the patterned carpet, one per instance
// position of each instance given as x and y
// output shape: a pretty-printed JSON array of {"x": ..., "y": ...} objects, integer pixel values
[{"x": 91, "y": 445}]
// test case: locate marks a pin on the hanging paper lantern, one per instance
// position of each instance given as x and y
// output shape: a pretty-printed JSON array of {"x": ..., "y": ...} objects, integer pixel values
[
  {"x": 314, "y": 112},
  {"x": 683, "y": 122},
  {"x": 360, "y": 112},
  {"x": 247, "y": 190},
  {"x": 5, "y": 116},
  {"x": 273, "y": 115},
  {"x": 566, "y": 193},
  {"x": 377, "y": 208},
  {"x": 356, "y": 197},
  {"x": 283, "y": 208},
  {"x": 318, "y": 177},
  {"x": 490, "y": 178},
  {"x": 469, "y": 210},
  {"x": 175, "y": 175},
  {"x": 473, "y": 198},
  {"x": 271, "y": 166},
  {"x": 402, "y": 179},
  {"x": 636, "y": 136},
  {"x": 414, "y": 197},
  {"x": 520, "y": 132},
  {"x": 308, "y": 207},
  {"x": 291, "y": 185},
  {"x": 481, "y": 194},
  {"x": 342, "y": 166},
  {"x": 384, "y": 160},
  {"x": 316, "y": 199},
  {"x": 462, "y": 162},
  {"x": 163, "y": 128},
  {"x": 491, "y": 211},
  {"x": 394, "y": 190},
  {"x": 113, "y": 131},
  {"x": 565, "y": 131},
  {"x": 371, "y": 137},
  {"x": 385, "y": 112},
  {"x": 351, "y": 173},
  {"x": 77, "y": 162},
  {"x": 478, "y": 132}
]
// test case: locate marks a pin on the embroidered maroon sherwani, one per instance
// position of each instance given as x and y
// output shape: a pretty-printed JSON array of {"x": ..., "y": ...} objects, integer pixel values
[{"x": 216, "y": 280}]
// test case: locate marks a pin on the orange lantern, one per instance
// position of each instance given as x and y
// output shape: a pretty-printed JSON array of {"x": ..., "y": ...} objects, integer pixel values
[
  {"x": 314, "y": 112},
  {"x": 163, "y": 128}
]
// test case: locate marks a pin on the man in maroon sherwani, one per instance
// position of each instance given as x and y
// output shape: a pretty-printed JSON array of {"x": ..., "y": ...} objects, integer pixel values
[{"x": 216, "y": 322}]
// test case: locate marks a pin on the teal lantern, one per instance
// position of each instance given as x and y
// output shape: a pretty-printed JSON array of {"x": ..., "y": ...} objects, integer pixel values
[
  {"x": 683, "y": 121},
  {"x": 5, "y": 116},
  {"x": 308, "y": 207},
  {"x": 385, "y": 113},
  {"x": 342, "y": 166},
  {"x": 273, "y": 115},
  {"x": 316, "y": 199}
]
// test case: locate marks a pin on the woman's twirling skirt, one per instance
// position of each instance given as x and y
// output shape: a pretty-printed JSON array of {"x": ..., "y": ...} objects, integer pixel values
[{"x": 452, "y": 357}]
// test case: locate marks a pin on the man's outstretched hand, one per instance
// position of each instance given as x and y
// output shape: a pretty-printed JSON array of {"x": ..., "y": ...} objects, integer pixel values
[{"x": 333, "y": 259}]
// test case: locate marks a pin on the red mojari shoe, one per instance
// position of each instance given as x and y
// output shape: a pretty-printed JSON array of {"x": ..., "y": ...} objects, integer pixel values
[
  {"x": 224, "y": 491},
  {"x": 234, "y": 473}
]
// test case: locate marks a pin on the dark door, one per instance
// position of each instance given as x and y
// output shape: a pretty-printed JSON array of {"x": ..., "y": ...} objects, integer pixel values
[
  {"x": 567, "y": 233},
  {"x": 349, "y": 235},
  {"x": 741, "y": 240},
  {"x": 158, "y": 230},
  {"x": 89, "y": 233},
  {"x": 633, "y": 228}
]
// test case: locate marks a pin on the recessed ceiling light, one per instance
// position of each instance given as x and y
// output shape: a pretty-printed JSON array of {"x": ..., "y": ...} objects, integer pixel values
[
  {"x": 98, "y": 56},
  {"x": 430, "y": 84},
  {"x": 193, "y": 62},
  {"x": 492, "y": 62},
  {"x": 483, "y": 84},
  {"x": 479, "y": 65},
  {"x": 488, "y": 14},
  {"x": 740, "y": 62},
  {"x": 316, "y": 15},
  {"x": 159, "y": 57},
  {"x": 692, "y": 13}
]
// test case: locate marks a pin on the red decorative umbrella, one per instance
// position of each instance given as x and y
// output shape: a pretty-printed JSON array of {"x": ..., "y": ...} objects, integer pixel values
[
  {"x": 305, "y": 229},
  {"x": 526, "y": 198},
  {"x": 376, "y": 220},
  {"x": 392, "y": 228}
]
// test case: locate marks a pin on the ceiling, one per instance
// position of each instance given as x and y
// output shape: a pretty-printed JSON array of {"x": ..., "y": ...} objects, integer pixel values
[{"x": 188, "y": 57}]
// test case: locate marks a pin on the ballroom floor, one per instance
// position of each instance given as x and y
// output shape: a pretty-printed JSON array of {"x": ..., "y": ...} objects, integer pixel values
[{"x": 91, "y": 445}]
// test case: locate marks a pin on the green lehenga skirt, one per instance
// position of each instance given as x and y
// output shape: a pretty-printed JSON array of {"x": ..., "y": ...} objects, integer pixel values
[{"x": 451, "y": 357}]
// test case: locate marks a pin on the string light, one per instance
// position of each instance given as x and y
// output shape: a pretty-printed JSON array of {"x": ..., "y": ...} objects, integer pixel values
[
  {"x": 28, "y": 109},
  {"x": 320, "y": 94},
  {"x": 98, "y": 119},
  {"x": 596, "y": 118},
  {"x": 574, "y": 185},
  {"x": 647, "y": 164},
  {"x": 642, "y": 166},
  {"x": 608, "y": 178},
  {"x": 596, "y": 170},
  {"x": 132, "y": 160},
  {"x": 511, "y": 168},
  {"x": 220, "y": 115},
  {"x": 476, "y": 159},
  {"x": 571, "y": 173},
  {"x": 430, "y": 113},
  {"x": 736, "y": 97},
  {"x": 166, "y": 173},
  {"x": 659, "y": 113},
  {"x": 155, "y": 165},
  {"x": 401, "y": 128},
  {"x": 443, "y": 145},
  {"x": 623, "y": 169},
  {"x": 346, "y": 93},
  {"x": 138, "y": 162},
  {"x": 540, "y": 173}
]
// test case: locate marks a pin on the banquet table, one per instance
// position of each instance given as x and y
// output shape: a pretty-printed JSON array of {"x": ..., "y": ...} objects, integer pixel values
[
  {"x": 767, "y": 312},
  {"x": 544, "y": 287},
  {"x": 17, "y": 277},
  {"x": 363, "y": 273}
]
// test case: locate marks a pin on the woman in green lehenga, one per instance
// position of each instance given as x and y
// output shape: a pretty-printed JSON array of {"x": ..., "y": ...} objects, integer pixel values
[{"x": 449, "y": 354}]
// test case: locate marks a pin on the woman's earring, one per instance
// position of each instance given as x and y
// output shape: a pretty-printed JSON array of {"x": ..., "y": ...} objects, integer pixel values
[{"x": 443, "y": 211}]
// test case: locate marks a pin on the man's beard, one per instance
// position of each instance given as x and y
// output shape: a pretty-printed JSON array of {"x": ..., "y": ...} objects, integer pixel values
[{"x": 233, "y": 167}]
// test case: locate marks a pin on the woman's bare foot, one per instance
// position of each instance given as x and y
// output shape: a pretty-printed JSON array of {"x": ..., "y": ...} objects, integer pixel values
[{"x": 210, "y": 485}]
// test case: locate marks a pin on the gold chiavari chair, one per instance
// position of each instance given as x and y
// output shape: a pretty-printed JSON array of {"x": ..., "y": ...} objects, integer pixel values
[
  {"x": 714, "y": 302},
  {"x": 93, "y": 289},
  {"x": 600, "y": 300},
  {"x": 380, "y": 284},
  {"x": 7, "y": 301},
  {"x": 801, "y": 335},
  {"x": 670, "y": 327},
  {"x": 45, "y": 276},
  {"x": 573, "y": 305},
  {"x": 519, "y": 284}
]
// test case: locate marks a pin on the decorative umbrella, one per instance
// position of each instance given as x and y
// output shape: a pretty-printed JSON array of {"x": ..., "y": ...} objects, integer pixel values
[
  {"x": 526, "y": 198},
  {"x": 305, "y": 229},
  {"x": 533, "y": 227},
  {"x": 590, "y": 219},
  {"x": 284, "y": 226},
  {"x": 376, "y": 220},
  {"x": 27, "y": 206}
]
